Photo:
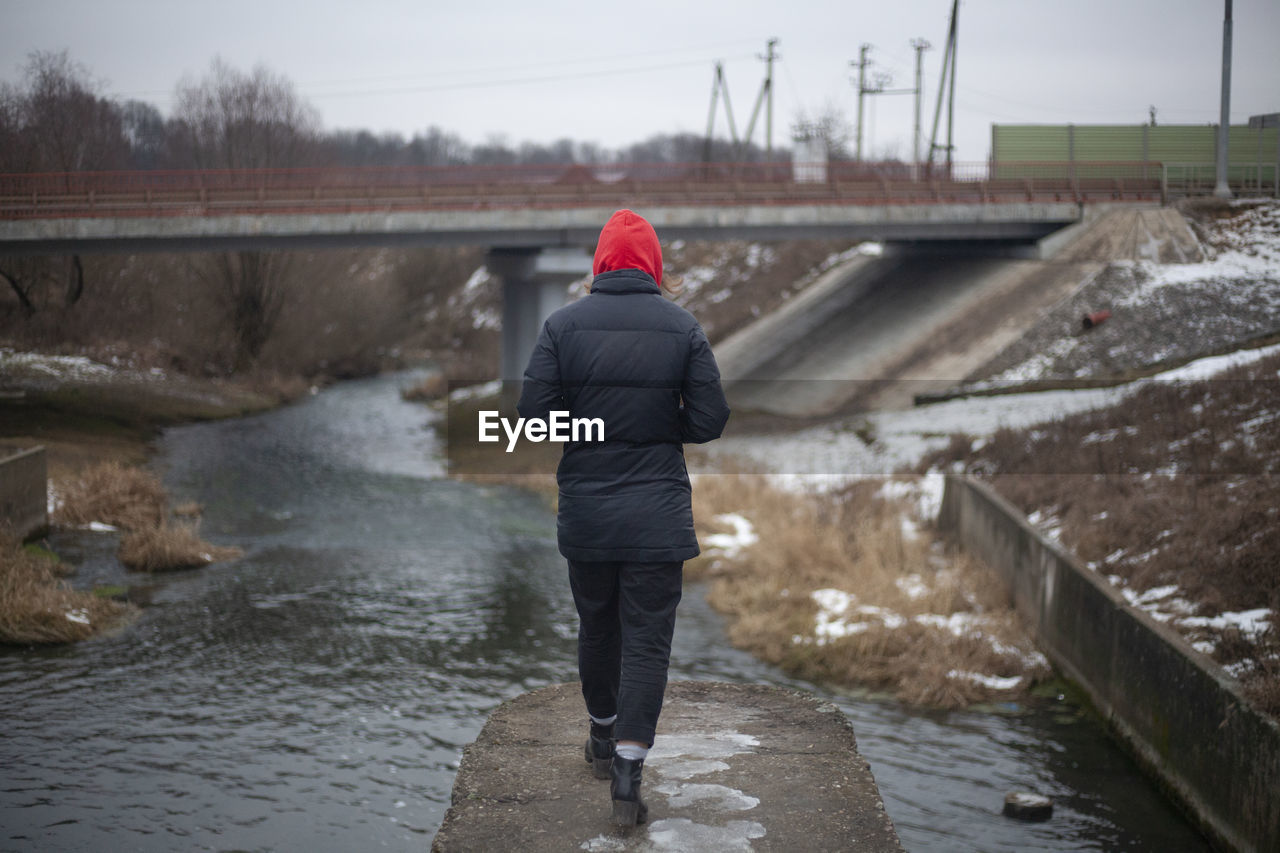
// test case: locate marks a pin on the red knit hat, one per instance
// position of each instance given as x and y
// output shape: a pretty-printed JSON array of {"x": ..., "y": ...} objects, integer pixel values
[{"x": 628, "y": 242}]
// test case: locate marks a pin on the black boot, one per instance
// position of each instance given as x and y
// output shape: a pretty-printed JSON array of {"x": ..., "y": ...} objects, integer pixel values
[
  {"x": 599, "y": 750},
  {"x": 628, "y": 808}
]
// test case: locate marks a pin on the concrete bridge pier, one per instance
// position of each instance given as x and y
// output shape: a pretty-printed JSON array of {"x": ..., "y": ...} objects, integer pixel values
[{"x": 535, "y": 282}]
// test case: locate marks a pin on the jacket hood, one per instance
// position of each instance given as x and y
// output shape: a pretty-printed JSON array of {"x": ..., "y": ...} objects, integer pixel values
[{"x": 628, "y": 242}]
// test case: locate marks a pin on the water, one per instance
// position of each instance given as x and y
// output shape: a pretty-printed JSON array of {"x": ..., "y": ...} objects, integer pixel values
[{"x": 316, "y": 694}]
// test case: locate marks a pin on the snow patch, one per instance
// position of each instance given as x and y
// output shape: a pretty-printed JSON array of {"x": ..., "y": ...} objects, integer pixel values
[
  {"x": 732, "y": 544},
  {"x": 478, "y": 279},
  {"x": 912, "y": 586},
  {"x": 487, "y": 389},
  {"x": 1248, "y": 622},
  {"x": 1205, "y": 368},
  {"x": 994, "y": 682},
  {"x": 925, "y": 493}
]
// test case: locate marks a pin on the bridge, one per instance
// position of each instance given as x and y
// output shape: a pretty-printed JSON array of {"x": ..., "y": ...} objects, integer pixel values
[{"x": 538, "y": 220}]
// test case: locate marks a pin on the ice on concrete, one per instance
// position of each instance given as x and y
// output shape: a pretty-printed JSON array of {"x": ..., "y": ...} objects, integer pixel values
[
  {"x": 683, "y": 794},
  {"x": 681, "y": 835}
]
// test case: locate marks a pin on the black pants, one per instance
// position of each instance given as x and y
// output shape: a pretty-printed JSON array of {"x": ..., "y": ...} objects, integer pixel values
[{"x": 627, "y": 614}]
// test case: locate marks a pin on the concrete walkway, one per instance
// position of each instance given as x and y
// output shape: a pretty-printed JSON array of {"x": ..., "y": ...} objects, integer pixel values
[{"x": 735, "y": 767}]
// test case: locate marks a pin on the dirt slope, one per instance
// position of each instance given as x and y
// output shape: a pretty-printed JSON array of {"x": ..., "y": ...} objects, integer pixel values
[{"x": 915, "y": 321}]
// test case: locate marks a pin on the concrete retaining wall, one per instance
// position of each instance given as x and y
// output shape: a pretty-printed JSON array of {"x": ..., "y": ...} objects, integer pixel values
[
  {"x": 23, "y": 490},
  {"x": 1178, "y": 712}
]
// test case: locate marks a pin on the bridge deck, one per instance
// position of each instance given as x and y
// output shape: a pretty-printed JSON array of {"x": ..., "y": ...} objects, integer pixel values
[{"x": 538, "y": 206}]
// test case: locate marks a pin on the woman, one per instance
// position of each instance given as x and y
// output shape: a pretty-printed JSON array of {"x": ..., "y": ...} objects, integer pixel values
[{"x": 642, "y": 365}]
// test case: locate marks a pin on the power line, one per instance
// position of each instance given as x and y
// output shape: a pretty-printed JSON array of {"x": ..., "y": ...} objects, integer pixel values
[
  {"x": 511, "y": 81},
  {"x": 312, "y": 85}
]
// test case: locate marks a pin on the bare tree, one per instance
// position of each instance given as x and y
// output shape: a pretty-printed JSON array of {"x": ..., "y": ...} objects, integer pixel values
[
  {"x": 34, "y": 279},
  {"x": 144, "y": 128},
  {"x": 230, "y": 119},
  {"x": 55, "y": 121},
  {"x": 494, "y": 151},
  {"x": 440, "y": 148},
  {"x": 68, "y": 125},
  {"x": 833, "y": 127},
  {"x": 250, "y": 286},
  {"x": 13, "y": 144}
]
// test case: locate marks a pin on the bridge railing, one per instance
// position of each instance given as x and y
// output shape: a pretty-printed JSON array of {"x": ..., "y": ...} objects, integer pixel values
[
  {"x": 1245, "y": 179},
  {"x": 348, "y": 190}
]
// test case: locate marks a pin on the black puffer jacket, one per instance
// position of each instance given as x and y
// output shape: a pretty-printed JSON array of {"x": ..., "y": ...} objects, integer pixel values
[{"x": 642, "y": 364}]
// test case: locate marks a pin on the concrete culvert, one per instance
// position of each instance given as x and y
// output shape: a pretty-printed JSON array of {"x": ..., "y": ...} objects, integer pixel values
[{"x": 1025, "y": 805}]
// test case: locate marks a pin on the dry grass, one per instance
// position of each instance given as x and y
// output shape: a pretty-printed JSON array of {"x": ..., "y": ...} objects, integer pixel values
[
  {"x": 433, "y": 386},
  {"x": 529, "y": 466},
  {"x": 112, "y": 493},
  {"x": 190, "y": 509},
  {"x": 172, "y": 546},
  {"x": 135, "y": 501},
  {"x": 854, "y": 542},
  {"x": 37, "y": 607},
  {"x": 276, "y": 386}
]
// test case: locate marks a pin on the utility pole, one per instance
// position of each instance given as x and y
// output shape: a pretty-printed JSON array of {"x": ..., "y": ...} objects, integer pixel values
[
  {"x": 948, "y": 68},
  {"x": 861, "y": 65},
  {"x": 765, "y": 97},
  {"x": 718, "y": 85},
  {"x": 920, "y": 46},
  {"x": 1223, "y": 189},
  {"x": 951, "y": 97},
  {"x": 876, "y": 87},
  {"x": 768, "y": 85}
]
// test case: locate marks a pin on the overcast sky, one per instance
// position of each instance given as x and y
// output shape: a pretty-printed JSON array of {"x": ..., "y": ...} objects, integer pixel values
[{"x": 617, "y": 73}]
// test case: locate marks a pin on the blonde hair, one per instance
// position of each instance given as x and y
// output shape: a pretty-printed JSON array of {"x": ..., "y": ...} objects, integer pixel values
[{"x": 672, "y": 284}]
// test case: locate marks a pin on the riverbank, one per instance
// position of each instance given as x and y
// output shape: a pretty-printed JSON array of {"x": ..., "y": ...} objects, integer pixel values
[
  {"x": 1112, "y": 473},
  {"x": 86, "y": 411},
  {"x": 1152, "y": 453},
  {"x": 97, "y": 422}
]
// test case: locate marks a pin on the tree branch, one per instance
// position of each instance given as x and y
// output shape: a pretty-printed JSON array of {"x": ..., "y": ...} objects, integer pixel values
[{"x": 27, "y": 307}]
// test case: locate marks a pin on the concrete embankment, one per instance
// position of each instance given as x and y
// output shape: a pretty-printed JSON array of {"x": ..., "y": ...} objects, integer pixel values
[
  {"x": 23, "y": 492},
  {"x": 735, "y": 767},
  {"x": 1178, "y": 713},
  {"x": 876, "y": 331}
]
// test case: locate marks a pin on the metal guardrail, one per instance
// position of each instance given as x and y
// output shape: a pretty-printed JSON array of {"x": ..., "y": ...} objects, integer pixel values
[
  {"x": 1246, "y": 179},
  {"x": 350, "y": 190}
]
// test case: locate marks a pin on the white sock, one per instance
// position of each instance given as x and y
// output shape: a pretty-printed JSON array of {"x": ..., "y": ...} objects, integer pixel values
[
  {"x": 603, "y": 721},
  {"x": 632, "y": 753}
]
